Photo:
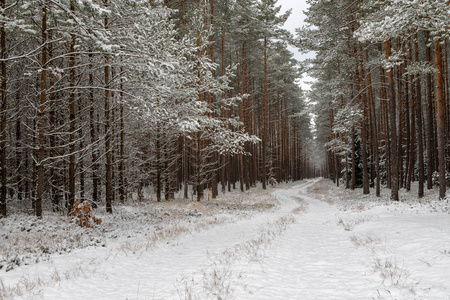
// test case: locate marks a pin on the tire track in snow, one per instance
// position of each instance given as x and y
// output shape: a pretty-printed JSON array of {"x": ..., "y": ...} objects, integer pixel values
[
  {"x": 225, "y": 274},
  {"x": 311, "y": 260}
]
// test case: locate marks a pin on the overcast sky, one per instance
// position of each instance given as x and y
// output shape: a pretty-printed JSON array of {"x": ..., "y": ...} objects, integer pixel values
[
  {"x": 297, "y": 16},
  {"x": 296, "y": 20}
]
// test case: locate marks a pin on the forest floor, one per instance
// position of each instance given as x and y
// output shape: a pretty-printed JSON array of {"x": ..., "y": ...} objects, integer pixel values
[{"x": 304, "y": 240}]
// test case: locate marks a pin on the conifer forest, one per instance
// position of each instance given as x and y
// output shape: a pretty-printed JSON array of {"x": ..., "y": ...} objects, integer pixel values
[
  {"x": 102, "y": 100},
  {"x": 224, "y": 149},
  {"x": 382, "y": 91}
]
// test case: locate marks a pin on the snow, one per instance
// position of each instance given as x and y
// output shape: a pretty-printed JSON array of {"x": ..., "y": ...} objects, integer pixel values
[{"x": 310, "y": 240}]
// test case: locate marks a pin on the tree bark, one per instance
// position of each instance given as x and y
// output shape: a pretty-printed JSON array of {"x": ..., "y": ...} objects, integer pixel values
[
  {"x": 122, "y": 188},
  {"x": 81, "y": 160},
  {"x": 401, "y": 118},
  {"x": 385, "y": 125},
  {"x": 158, "y": 161},
  {"x": 92, "y": 101},
  {"x": 393, "y": 127},
  {"x": 440, "y": 108},
  {"x": 430, "y": 125},
  {"x": 241, "y": 115},
  {"x": 108, "y": 186},
  {"x": 72, "y": 129},
  {"x": 223, "y": 113},
  {"x": 265, "y": 119},
  {"x": 419, "y": 125},
  {"x": 353, "y": 181},
  {"x": 375, "y": 129},
  {"x": 3, "y": 166},
  {"x": 364, "y": 132},
  {"x": 412, "y": 149},
  {"x": 41, "y": 115}
]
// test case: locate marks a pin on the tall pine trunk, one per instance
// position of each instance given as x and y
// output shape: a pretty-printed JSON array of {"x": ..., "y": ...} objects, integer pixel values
[
  {"x": 412, "y": 149},
  {"x": 440, "y": 109},
  {"x": 92, "y": 102},
  {"x": 3, "y": 166},
  {"x": 72, "y": 130},
  {"x": 41, "y": 115},
  {"x": 353, "y": 181},
  {"x": 393, "y": 127},
  {"x": 108, "y": 185},
  {"x": 158, "y": 161},
  {"x": 364, "y": 130},
  {"x": 241, "y": 115},
  {"x": 375, "y": 135},
  {"x": 122, "y": 188},
  {"x": 265, "y": 120},
  {"x": 430, "y": 125},
  {"x": 419, "y": 124}
]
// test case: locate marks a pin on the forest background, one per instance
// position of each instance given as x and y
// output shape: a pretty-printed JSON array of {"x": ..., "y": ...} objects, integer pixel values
[{"x": 104, "y": 100}]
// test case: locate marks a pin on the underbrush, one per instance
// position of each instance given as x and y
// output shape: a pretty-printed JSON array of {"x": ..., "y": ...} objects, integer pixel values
[
  {"x": 356, "y": 201},
  {"x": 349, "y": 223},
  {"x": 28, "y": 240},
  {"x": 131, "y": 229},
  {"x": 392, "y": 273}
]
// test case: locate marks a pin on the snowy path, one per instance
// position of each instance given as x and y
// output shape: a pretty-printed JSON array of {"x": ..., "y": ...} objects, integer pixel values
[
  {"x": 368, "y": 251},
  {"x": 308, "y": 249},
  {"x": 311, "y": 261}
]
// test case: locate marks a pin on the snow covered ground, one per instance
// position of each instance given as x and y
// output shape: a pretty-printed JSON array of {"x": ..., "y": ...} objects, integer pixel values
[{"x": 309, "y": 240}]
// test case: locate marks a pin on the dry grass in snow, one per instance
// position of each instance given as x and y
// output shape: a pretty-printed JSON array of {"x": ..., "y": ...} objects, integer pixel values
[
  {"x": 130, "y": 230},
  {"x": 224, "y": 274}
]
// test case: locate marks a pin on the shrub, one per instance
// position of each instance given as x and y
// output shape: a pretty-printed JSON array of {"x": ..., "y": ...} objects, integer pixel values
[
  {"x": 435, "y": 178},
  {"x": 83, "y": 215}
]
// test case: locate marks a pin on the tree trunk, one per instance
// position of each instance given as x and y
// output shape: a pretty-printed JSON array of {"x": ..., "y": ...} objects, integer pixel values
[
  {"x": 72, "y": 130},
  {"x": 41, "y": 115},
  {"x": 440, "y": 108},
  {"x": 364, "y": 132},
  {"x": 185, "y": 168},
  {"x": 430, "y": 125},
  {"x": 199, "y": 166},
  {"x": 81, "y": 162},
  {"x": 158, "y": 161},
  {"x": 385, "y": 125},
  {"x": 353, "y": 182},
  {"x": 199, "y": 186},
  {"x": 3, "y": 145},
  {"x": 393, "y": 127},
  {"x": 108, "y": 186},
  {"x": 224, "y": 113},
  {"x": 241, "y": 115},
  {"x": 419, "y": 125},
  {"x": 412, "y": 148},
  {"x": 265, "y": 119},
  {"x": 401, "y": 127},
  {"x": 122, "y": 189},
  {"x": 54, "y": 173},
  {"x": 375, "y": 135},
  {"x": 94, "y": 176}
]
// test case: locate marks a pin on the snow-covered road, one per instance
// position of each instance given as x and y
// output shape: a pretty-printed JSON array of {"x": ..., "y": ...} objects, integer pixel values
[
  {"x": 311, "y": 261},
  {"x": 310, "y": 247}
]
